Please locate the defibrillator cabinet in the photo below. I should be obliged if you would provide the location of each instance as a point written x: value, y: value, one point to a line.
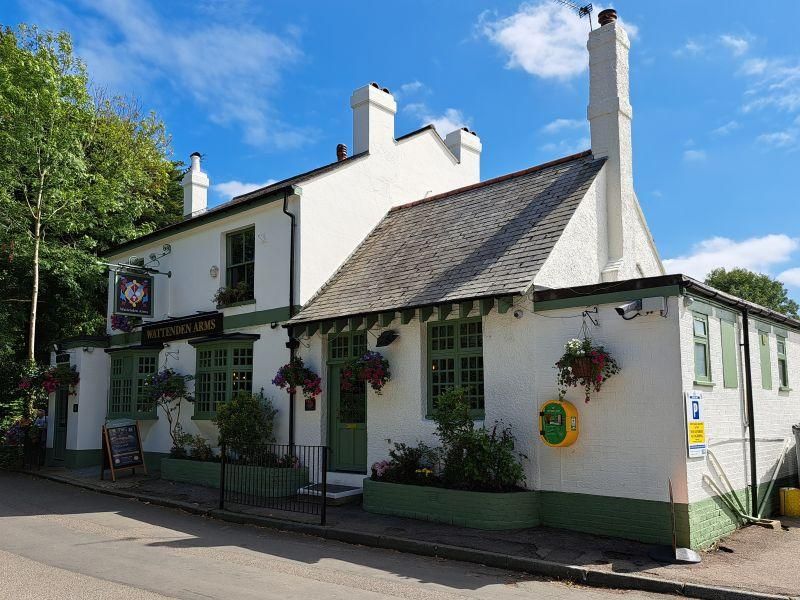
x: 558, y: 423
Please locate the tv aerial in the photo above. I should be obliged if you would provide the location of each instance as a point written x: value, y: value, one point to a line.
x: 582, y: 11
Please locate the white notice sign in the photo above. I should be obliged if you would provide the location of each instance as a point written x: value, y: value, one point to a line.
x: 695, y: 425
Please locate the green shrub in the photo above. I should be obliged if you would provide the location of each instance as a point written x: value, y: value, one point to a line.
x: 245, y: 422
x: 199, y: 449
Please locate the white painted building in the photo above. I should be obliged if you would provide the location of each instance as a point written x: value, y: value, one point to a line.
x: 483, y: 283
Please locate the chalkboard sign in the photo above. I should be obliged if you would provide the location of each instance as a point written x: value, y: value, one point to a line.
x: 122, y: 447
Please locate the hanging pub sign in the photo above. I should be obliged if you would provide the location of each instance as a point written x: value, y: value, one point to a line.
x: 186, y: 327
x: 134, y: 295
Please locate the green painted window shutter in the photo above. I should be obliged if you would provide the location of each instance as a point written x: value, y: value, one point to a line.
x: 766, y: 364
x: 730, y: 375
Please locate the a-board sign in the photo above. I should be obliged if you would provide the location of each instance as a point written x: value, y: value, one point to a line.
x: 122, y: 447
x: 696, y: 443
x: 185, y: 327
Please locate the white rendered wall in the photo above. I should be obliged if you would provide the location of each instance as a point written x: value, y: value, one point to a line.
x: 725, y: 411
x: 581, y: 253
x: 341, y: 207
x: 632, y: 432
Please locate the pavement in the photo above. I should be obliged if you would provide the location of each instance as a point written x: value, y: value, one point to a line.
x: 753, y: 562
x: 61, y: 542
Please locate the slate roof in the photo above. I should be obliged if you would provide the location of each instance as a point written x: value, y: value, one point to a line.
x: 487, y: 239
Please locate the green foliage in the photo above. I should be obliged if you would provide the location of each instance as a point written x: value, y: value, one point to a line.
x: 755, y: 287
x: 225, y: 296
x: 199, y: 448
x: 166, y: 391
x: 245, y: 422
x: 477, y: 459
x: 79, y: 172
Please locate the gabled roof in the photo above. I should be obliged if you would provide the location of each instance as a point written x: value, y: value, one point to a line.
x: 486, y: 239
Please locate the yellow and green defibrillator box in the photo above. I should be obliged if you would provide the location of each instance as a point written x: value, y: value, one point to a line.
x: 558, y: 423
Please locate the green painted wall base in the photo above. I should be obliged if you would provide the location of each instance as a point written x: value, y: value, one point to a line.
x: 79, y: 459
x: 480, y: 510
x: 257, y: 481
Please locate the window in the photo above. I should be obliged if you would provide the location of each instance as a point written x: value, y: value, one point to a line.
x: 222, y: 371
x: 783, y: 365
x: 730, y: 354
x: 129, y: 372
x: 240, y: 259
x: 702, y: 357
x: 455, y: 358
x: 346, y: 346
x: 766, y: 364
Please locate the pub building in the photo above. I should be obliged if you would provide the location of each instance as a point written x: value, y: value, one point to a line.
x: 400, y: 248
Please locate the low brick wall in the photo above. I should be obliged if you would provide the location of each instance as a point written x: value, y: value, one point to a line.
x: 480, y: 510
x: 256, y: 481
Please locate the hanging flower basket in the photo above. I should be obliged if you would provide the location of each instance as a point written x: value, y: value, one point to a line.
x: 51, y: 379
x: 371, y: 368
x: 295, y: 375
x: 124, y: 323
x: 584, y: 365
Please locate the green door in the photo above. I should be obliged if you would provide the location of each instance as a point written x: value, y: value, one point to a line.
x: 60, y: 422
x: 347, y: 409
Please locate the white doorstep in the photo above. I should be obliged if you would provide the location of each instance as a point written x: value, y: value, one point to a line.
x: 349, y: 479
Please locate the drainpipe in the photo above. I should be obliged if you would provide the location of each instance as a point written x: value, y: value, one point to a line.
x: 751, y: 418
x: 291, y: 343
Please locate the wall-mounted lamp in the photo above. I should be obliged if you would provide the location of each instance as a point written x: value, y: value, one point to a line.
x: 214, y: 271
x: 386, y: 338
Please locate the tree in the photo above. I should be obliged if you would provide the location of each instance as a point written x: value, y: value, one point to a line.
x: 755, y: 287
x: 79, y: 172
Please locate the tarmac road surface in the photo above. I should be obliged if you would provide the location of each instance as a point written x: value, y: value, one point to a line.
x: 60, y: 542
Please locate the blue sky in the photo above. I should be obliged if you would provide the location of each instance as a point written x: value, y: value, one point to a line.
x: 262, y: 90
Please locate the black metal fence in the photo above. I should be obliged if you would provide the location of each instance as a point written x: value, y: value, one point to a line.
x: 280, y: 477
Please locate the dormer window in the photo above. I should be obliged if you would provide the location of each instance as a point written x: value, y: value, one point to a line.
x: 240, y: 264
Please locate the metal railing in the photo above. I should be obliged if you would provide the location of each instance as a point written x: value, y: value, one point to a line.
x: 280, y: 477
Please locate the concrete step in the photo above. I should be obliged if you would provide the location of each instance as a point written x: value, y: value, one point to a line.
x: 348, y: 479
x: 336, y: 494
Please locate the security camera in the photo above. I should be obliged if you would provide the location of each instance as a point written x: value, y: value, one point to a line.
x: 629, y: 308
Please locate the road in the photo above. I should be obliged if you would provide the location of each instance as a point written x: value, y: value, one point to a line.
x: 59, y: 542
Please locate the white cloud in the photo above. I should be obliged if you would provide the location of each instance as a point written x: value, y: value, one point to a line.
x: 757, y: 254
x: 778, y: 139
x: 690, y: 48
x: 409, y: 89
x: 694, y: 155
x: 737, y: 45
x: 545, y: 39
x: 727, y: 128
x: 564, y: 124
x: 231, y: 189
x: 445, y: 122
x: 791, y: 277
x: 565, y: 147
x: 228, y: 69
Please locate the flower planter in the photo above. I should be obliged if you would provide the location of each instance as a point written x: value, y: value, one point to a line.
x: 479, y: 510
x: 270, y: 482
x: 582, y: 367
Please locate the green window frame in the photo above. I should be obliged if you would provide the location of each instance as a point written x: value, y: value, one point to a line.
x: 126, y: 390
x: 455, y: 359
x: 730, y: 354
x: 766, y: 361
x: 221, y: 371
x: 702, y: 349
x: 240, y: 259
x: 783, y: 364
x: 345, y: 346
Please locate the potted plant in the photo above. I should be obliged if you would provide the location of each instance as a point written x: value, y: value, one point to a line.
x: 124, y: 323
x: 295, y: 374
x: 584, y: 365
x: 228, y: 295
x: 371, y: 368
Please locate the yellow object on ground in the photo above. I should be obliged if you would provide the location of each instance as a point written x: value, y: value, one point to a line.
x: 790, y: 502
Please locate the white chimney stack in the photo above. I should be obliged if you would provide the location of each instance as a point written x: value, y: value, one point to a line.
x: 610, y: 116
x: 466, y: 147
x: 195, y: 188
x: 373, y: 118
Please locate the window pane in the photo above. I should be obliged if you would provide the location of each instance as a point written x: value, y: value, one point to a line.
x: 218, y: 389
x: 700, y: 365
x: 443, y: 376
x: 443, y: 337
x: 359, y: 344
x: 783, y: 372
x: 147, y: 365
x: 242, y: 357
x: 700, y: 328
x: 472, y: 380
x: 235, y: 249
x: 470, y: 335
x: 338, y: 348
x: 120, y: 396
x: 781, y: 347
x: 202, y: 393
x: 241, y: 381
x: 249, y: 245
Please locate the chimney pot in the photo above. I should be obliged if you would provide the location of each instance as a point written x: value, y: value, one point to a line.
x: 195, y: 187
x: 607, y: 16
x: 341, y: 152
